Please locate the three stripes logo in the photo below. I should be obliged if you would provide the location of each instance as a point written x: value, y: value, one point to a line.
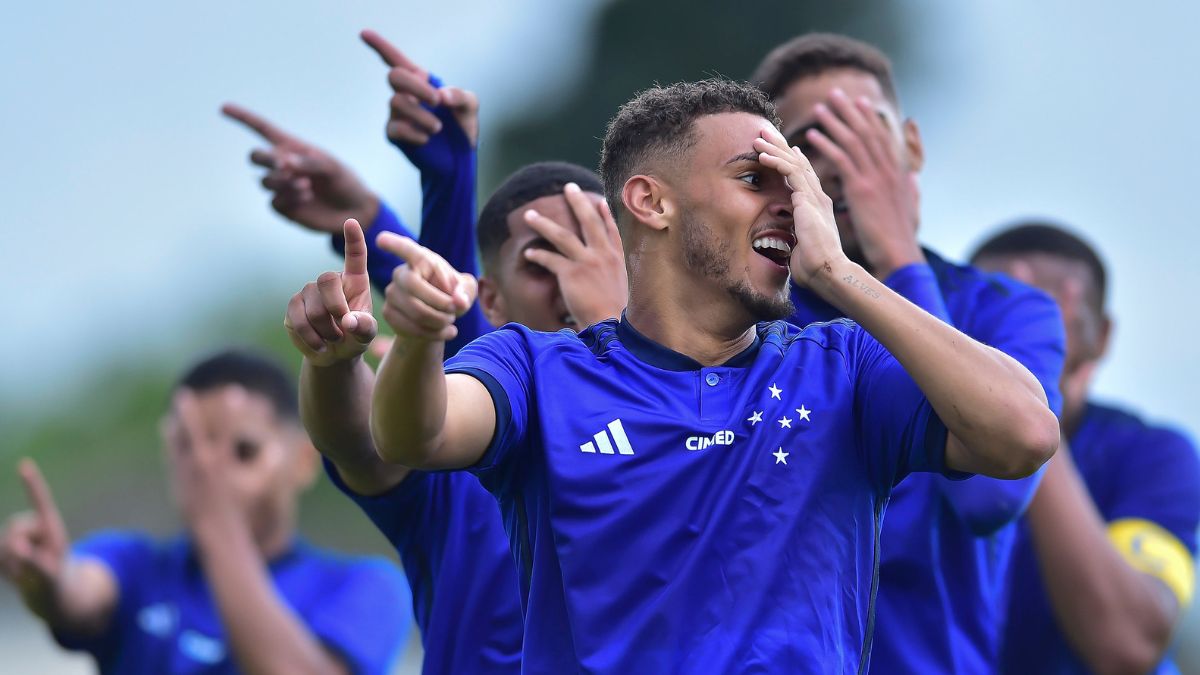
x: 605, y: 446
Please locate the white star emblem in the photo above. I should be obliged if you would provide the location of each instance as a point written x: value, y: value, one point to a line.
x: 755, y: 418
x: 803, y: 412
x: 775, y: 391
x: 780, y: 456
x: 785, y: 422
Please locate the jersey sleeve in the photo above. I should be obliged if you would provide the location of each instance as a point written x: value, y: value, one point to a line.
x: 125, y: 555
x: 918, y: 283
x: 364, y: 618
x: 502, y: 362
x: 897, y: 428
x: 1154, y: 518
x: 1031, y: 331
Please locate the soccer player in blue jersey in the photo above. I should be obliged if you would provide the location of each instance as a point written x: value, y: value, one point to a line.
x: 445, y: 526
x: 1105, y: 560
x: 945, y: 544
x: 239, y: 591
x: 686, y: 489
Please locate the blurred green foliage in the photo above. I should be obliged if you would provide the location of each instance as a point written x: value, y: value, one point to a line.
x: 637, y: 43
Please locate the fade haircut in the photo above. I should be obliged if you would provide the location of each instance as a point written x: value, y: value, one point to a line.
x: 1037, y: 236
x: 660, y: 122
x: 255, y: 373
x: 528, y: 183
x: 817, y: 53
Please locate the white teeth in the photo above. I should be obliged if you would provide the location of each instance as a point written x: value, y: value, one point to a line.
x: 570, y: 320
x: 772, y: 242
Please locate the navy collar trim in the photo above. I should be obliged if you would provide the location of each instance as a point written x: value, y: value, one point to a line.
x: 652, y: 353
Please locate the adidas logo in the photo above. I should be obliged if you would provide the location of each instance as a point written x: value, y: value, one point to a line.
x: 605, y: 446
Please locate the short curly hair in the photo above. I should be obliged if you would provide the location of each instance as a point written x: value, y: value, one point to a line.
x: 660, y: 122
x: 812, y: 54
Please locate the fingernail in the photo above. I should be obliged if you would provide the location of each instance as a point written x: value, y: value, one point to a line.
x: 820, y: 107
x: 530, y: 214
x: 437, y: 128
x: 571, y: 187
x: 837, y: 91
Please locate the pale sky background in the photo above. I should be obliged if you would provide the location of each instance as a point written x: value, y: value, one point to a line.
x: 129, y: 204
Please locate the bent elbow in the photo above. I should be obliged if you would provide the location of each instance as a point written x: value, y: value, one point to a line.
x: 1039, y: 439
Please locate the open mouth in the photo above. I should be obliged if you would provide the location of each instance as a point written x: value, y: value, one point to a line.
x: 774, y: 247
x: 840, y: 207
x: 569, y: 321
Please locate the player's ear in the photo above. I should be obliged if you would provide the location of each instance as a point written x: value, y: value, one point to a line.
x: 1106, y: 329
x: 492, y: 302
x: 647, y: 201
x: 306, y: 463
x: 914, y: 150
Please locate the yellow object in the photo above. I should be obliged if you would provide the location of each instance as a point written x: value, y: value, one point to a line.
x: 1157, y: 552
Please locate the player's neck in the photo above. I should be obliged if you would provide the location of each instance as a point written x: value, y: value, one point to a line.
x: 704, y: 334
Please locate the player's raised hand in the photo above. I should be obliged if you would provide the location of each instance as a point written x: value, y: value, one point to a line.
x: 309, y: 186
x: 33, y: 547
x: 330, y: 319
x: 426, y: 294
x: 880, y: 191
x: 590, y: 269
x: 410, y: 120
x: 817, y: 242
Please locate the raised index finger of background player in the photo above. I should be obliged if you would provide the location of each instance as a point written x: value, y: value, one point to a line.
x: 259, y: 125
x: 415, y: 78
x: 41, y: 499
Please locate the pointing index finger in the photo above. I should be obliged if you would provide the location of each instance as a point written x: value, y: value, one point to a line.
x: 392, y: 56
x: 39, y: 493
x: 256, y: 123
x: 356, y: 248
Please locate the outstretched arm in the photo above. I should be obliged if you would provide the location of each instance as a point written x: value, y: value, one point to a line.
x: 436, y: 127
x: 73, y: 596
x: 421, y: 417
x: 994, y: 408
x: 329, y: 321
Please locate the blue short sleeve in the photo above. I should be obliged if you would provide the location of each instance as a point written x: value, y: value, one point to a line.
x: 501, y: 361
x: 897, y: 428
x: 1030, y: 329
x: 126, y: 555
x: 364, y: 618
x: 919, y: 284
x: 1160, y: 482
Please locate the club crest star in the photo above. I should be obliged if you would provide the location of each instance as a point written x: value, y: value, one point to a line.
x: 775, y: 391
x: 785, y: 422
x: 803, y: 412
x: 780, y: 456
x: 755, y: 418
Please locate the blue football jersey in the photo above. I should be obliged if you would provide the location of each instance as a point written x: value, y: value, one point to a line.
x: 946, y: 544
x: 668, y: 517
x: 166, y: 621
x: 447, y: 530
x: 1145, y: 481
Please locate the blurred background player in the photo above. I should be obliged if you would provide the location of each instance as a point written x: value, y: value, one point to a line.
x: 1104, y: 564
x: 239, y: 590
x: 945, y: 543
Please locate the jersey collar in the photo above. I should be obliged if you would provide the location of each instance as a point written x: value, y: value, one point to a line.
x: 654, y: 354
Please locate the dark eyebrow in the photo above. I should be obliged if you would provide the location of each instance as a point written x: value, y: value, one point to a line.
x: 744, y: 157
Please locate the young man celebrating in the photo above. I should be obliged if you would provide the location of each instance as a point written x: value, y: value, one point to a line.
x: 684, y: 489
x: 239, y: 592
x: 1104, y: 564
x: 445, y: 526
x: 945, y: 544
